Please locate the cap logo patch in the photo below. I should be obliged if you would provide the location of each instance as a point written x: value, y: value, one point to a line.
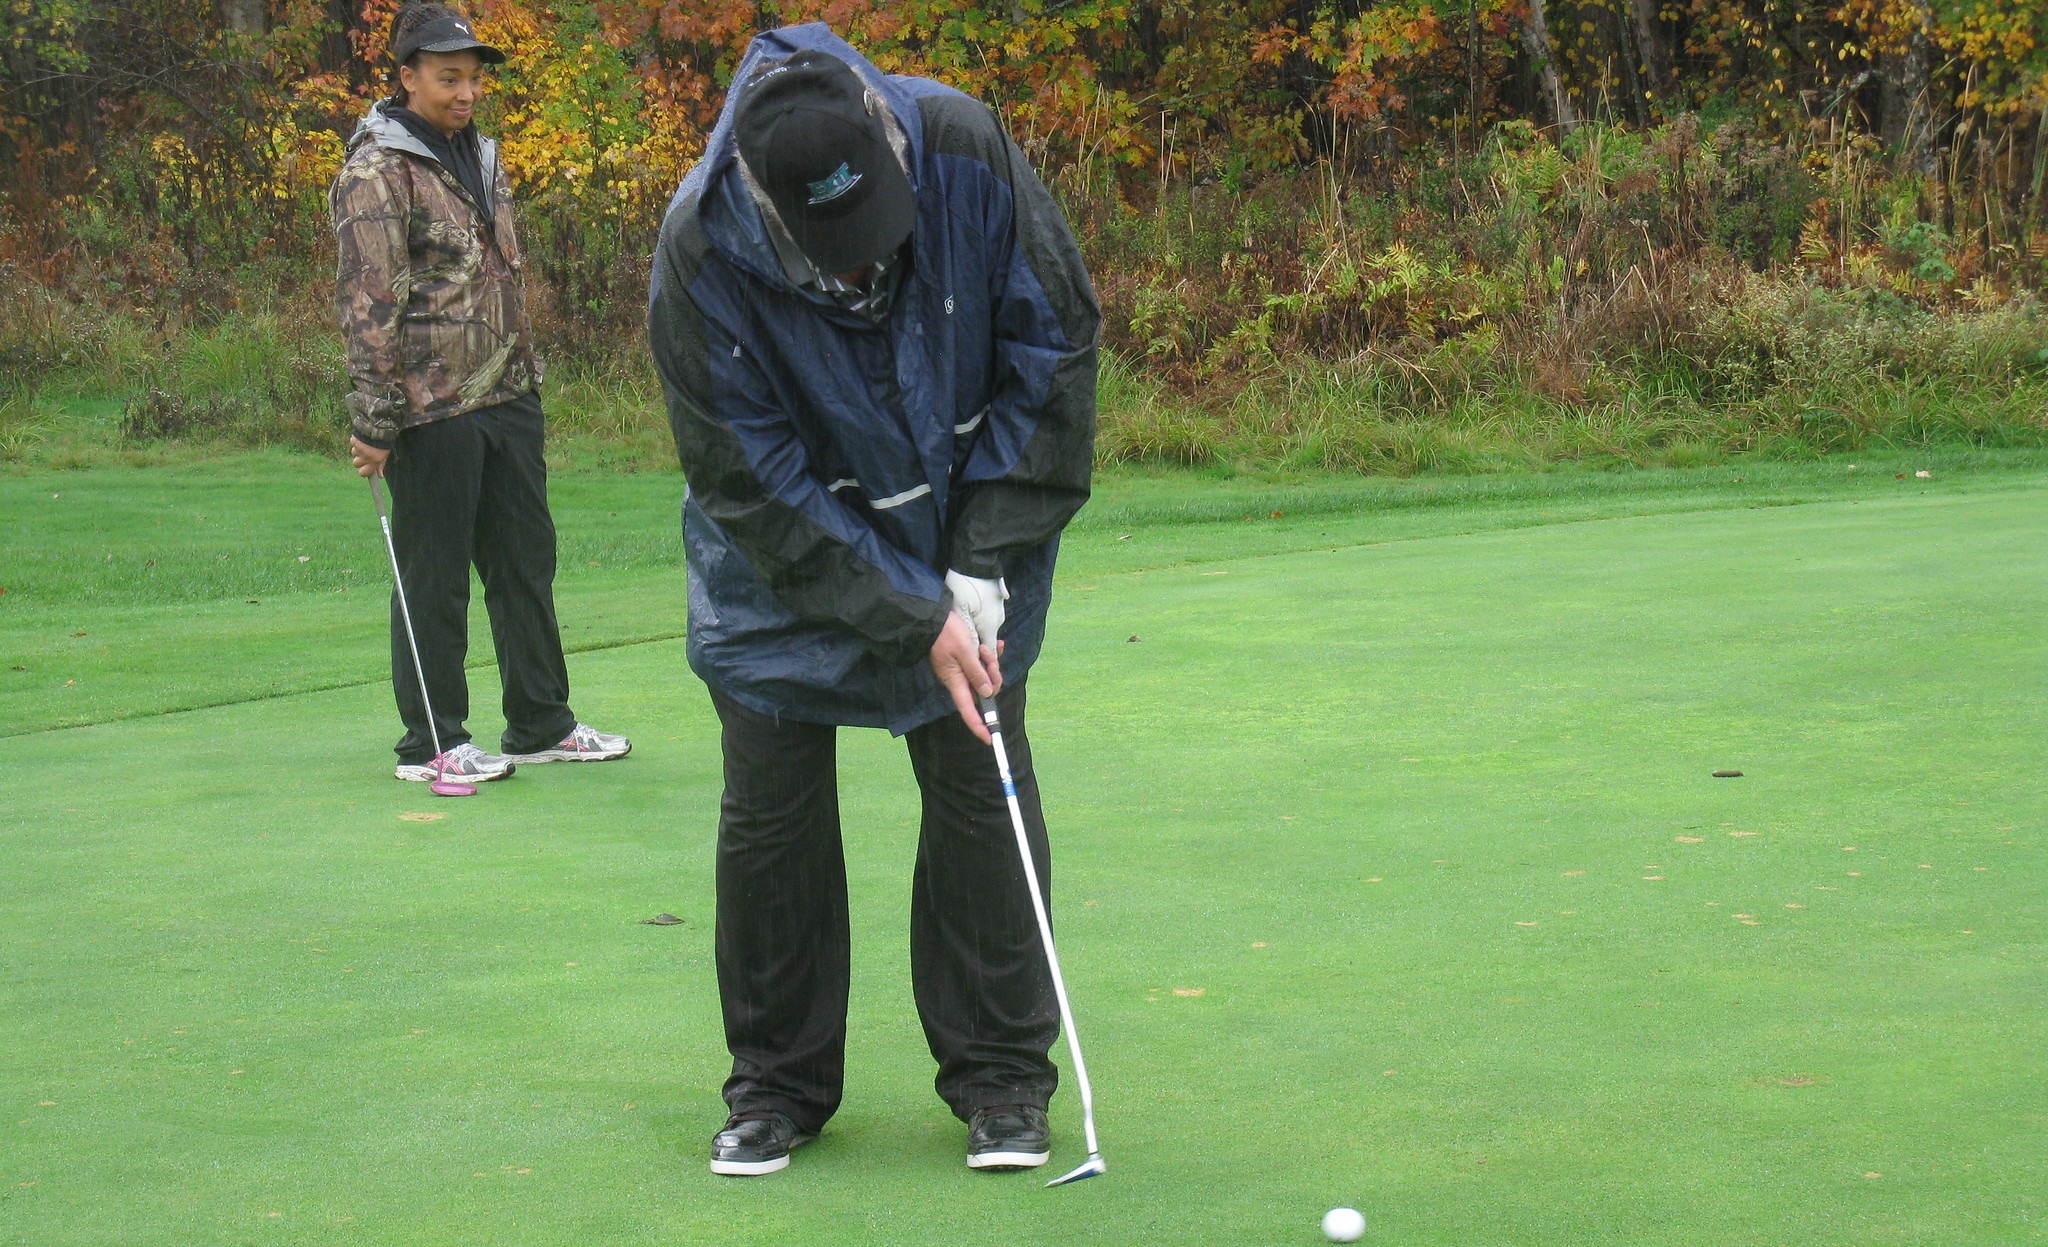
x: 843, y: 179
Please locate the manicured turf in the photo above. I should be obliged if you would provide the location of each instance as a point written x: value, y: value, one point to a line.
x: 1390, y: 872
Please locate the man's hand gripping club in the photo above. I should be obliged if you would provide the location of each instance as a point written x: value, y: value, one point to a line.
x: 967, y: 669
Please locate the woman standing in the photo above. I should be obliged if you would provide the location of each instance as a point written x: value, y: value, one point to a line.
x: 446, y: 406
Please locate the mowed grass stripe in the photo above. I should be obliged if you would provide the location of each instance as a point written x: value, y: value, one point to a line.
x: 146, y: 592
x: 1300, y: 826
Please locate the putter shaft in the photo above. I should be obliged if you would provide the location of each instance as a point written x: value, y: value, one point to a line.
x: 1052, y: 957
x: 412, y: 641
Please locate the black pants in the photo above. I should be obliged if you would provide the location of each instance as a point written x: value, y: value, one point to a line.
x: 978, y: 971
x: 474, y: 489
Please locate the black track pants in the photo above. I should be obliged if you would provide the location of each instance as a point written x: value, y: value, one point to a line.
x: 978, y: 970
x: 474, y: 489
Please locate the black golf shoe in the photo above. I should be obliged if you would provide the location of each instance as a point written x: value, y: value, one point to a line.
x: 754, y: 1142
x: 1008, y: 1136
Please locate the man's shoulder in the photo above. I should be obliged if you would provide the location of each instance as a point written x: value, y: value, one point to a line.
x: 956, y: 124
x: 683, y: 243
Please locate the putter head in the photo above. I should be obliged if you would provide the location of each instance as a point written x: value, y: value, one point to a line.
x: 446, y: 787
x: 1090, y: 1168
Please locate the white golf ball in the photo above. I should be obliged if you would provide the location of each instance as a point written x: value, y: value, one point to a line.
x: 1344, y: 1225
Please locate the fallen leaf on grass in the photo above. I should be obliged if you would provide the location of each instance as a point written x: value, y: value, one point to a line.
x: 1569, y: 873
x: 1258, y: 943
x: 1525, y: 924
x: 1376, y: 879
x: 1189, y: 991
x: 1651, y: 878
x: 1740, y: 834
x: 422, y: 816
x: 1795, y: 906
x: 1690, y: 839
x: 661, y: 920
x: 1751, y: 922
x: 1856, y: 874
x: 1727, y: 774
x: 1873, y: 1175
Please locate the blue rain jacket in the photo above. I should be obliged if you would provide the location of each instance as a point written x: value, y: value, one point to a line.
x: 837, y: 467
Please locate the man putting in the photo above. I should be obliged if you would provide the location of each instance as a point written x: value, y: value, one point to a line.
x: 878, y: 341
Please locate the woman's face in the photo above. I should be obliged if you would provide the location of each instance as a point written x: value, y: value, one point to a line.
x: 443, y: 87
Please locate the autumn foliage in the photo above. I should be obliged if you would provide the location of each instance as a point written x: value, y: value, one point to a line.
x: 1412, y: 167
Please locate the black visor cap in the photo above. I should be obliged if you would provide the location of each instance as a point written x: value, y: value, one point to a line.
x: 825, y: 162
x: 445, y: 34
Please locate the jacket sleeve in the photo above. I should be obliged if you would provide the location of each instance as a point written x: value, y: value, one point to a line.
x: 373, y: 279
x: 751, y: 474
x: 1028, y: 471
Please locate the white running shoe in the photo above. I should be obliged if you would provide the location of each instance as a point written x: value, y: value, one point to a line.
x: 585, y: 744
x: 465, y: 762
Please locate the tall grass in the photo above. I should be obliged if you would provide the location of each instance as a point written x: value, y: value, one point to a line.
x: 1673, y: 297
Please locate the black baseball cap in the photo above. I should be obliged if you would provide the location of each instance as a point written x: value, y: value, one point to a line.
x: 806, y: 132
x: 445, y: 34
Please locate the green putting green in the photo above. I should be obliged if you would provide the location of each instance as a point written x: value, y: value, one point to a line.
x: 1390, y: 871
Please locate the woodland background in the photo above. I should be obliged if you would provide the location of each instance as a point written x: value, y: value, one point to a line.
x: 1419, y: 235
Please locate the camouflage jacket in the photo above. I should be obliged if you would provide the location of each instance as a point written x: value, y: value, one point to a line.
x: 429, y: 293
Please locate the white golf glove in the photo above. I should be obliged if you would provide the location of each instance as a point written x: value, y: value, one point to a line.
x: 980, y: 603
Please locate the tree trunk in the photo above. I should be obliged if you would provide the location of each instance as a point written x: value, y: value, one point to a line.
x: 1536, y: 39
x: 1656, y: 51
x: 1905, y: 120
x: 244, y: 17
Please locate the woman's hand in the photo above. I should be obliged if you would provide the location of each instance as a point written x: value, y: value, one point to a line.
x: 369, y: 460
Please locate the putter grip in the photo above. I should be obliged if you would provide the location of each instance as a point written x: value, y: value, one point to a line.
x: 987, y: 706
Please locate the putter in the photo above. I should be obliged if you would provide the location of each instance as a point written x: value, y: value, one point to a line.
x: 442, y: 785
x: 1092, y: 1167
